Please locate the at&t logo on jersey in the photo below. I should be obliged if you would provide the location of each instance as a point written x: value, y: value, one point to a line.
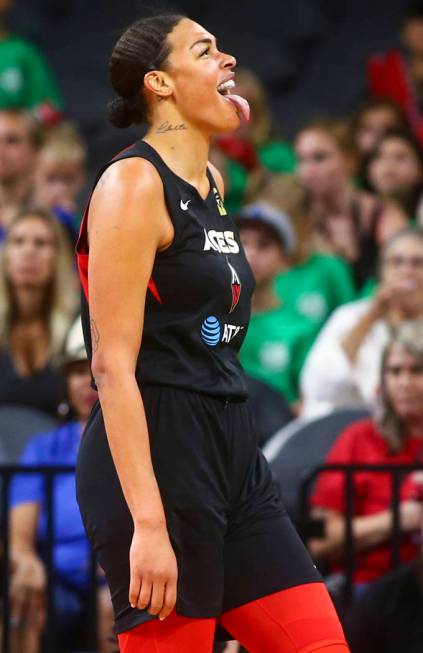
x: 211, y: 331
x: 220, y: 241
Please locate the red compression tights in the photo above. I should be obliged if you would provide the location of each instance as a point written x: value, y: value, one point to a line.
x: 301, y: 619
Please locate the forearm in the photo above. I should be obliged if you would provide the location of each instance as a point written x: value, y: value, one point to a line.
x: 127, y: 434
x: 352, y: 341
x: 368, y: 531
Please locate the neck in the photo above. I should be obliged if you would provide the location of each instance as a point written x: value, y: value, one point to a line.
x: 13, y: 194
x: 183, y: 147
x: 338, y: 200
x: 30, y: 304
x: 415, y: 427
x: 264, y: 299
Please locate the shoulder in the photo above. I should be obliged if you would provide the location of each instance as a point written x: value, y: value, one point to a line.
x: 131, y: 175
x: 218, y: 179
x: 39, y: 447
x: 361, y: 433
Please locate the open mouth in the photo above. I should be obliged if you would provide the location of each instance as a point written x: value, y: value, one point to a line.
x: 225, y: 87
x: 241, y: 105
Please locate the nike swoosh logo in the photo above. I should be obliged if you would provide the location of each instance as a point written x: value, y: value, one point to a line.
x: 184, y: 205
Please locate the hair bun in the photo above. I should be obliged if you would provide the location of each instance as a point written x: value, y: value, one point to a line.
x: 123, y: 112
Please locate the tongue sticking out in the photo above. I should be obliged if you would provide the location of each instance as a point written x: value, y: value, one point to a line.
x: 240, y: 104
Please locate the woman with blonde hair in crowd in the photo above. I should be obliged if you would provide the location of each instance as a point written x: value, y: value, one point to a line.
x: 39, y: 299
x: 395, y: 437
x: 347, y: 221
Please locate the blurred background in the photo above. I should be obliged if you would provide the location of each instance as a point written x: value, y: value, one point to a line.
x: 325, y: 184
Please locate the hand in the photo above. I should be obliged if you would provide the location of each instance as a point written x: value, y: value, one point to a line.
x: 411, y: 515
x: 154, y: 571
x: 27, y: 590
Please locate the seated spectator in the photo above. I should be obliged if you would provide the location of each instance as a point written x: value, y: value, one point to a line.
x: 246, y: 155
x: 28, y: 523
x: 387, y: 619
x: 342, y: 368
x: 394, y: 171
x: 60, y: 174
x: 278, y: 339
x: 372, y: 120
x: 26, y: 81
x: 20, y: 139
x: 347, y: 222
x: 313, y: 284
x: 394, y: 438
x: 398, y: 74
x: 39, y: 299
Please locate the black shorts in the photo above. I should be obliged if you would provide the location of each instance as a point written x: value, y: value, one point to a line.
x: 233, y: 540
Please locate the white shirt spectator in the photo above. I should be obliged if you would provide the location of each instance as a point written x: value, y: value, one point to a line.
x: 329, y: 380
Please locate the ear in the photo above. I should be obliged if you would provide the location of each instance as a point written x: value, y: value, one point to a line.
x: 158, y: 83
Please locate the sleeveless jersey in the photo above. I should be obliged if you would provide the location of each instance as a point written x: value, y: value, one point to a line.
x: 198, y: 300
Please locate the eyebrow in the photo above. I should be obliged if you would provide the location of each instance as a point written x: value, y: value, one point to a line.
x: 204, y: 40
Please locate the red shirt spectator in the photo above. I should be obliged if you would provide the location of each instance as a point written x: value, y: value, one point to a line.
x: 362, y: 443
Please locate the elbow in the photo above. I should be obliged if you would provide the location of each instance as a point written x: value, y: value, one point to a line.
x: 109, y: 370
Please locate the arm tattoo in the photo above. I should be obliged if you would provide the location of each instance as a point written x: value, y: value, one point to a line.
x: 167, y: 127
x: 95, y: 336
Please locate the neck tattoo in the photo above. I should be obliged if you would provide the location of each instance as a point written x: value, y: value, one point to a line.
x: 167, y: 127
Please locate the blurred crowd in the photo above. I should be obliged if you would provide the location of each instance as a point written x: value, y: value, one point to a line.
x: 332, y: 225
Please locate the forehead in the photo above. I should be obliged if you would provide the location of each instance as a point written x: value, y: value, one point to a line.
x: 29, y: 226
x: 396, y: 144
x: 405, y: 244
x: 315, y: 138
x: 398, y: 355
x: 12, y: 122
x: 186, y: 33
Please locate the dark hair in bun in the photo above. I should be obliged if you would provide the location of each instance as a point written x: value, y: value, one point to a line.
x: 142, y: 47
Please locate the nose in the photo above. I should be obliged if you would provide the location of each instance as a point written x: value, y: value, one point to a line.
x: 228, y: 61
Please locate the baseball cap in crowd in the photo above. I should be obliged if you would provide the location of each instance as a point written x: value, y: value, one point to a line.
x: 277, y: 220
x: 74, y: 348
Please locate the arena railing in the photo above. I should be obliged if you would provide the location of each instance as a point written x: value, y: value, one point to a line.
x: 7, y: 472
x: 310, y: 527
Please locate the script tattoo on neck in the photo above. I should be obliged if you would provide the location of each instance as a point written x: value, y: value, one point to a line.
x: 95, y: 335
x: 167, y: 127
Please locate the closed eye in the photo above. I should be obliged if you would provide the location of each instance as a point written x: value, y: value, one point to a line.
x: 206, y: 51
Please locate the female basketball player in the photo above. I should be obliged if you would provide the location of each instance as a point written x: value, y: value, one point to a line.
x: 176, y: 498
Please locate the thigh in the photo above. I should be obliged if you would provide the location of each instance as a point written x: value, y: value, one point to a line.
x: 301, y: 619
x: 173, y: 635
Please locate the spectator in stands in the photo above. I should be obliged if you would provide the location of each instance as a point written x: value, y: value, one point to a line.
x: 39, y: 299
x: 372, y: 120
x: 398, y: 74
x: 60, y: 174
x: 342, y: 369
x: 20, y: 139
x: 314, y: 284
x: 394, y: 171
x: 278, y: 339
x: 25, y: 79
x: 246, y: 156
x: 387, y: 619
x: 28, y: 524
x: 347, y: 221
x: 395, y: 437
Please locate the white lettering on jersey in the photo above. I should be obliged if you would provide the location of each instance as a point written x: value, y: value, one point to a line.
x: 230, y: 331
x: 220, y: 241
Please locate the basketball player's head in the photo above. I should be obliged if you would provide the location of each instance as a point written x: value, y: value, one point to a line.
x: 168, y: 68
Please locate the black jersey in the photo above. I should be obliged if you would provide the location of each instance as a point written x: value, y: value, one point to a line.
x: 198, y: 301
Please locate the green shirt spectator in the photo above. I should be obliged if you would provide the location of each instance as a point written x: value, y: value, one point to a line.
x: 315, y: 287
x: 275, y: 348
x: 25, y: 78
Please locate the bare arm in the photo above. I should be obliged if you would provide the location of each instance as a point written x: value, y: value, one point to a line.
x: 128, y: 223
x: 368, y: 531
x: 23, y: 528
